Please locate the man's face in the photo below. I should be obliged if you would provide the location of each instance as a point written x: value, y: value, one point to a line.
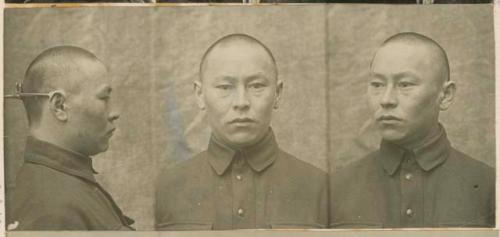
x: 90, y: 115
x: 404, y: 92
x: 239, y: 90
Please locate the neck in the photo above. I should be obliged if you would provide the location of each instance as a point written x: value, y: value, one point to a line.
x: 53, y: 136
x: 421, y: 141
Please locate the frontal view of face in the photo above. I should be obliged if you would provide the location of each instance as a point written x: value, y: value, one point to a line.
x: 405, y: 91
x: 239, y: 90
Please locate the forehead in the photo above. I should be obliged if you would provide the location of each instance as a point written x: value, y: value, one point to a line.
x: 396, y: 58
x: 93, y: 70
x: 238, y: 59
x: 93, y: 75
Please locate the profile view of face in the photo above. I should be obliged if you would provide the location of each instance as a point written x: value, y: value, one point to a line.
x: 90, y: 114
x: 404, y: 91
x: 239, y: 89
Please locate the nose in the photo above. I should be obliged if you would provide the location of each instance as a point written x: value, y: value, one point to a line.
x: 241, y: 102
x: 389, y: 97
x: 113, y: 116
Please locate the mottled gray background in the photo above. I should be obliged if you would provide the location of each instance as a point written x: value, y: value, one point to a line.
x: 464, y: 31
x: 153, y: 56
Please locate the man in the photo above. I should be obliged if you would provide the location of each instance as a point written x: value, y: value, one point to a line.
x: 66, y: 94
x: 243, y: 180
x: 416, y: 178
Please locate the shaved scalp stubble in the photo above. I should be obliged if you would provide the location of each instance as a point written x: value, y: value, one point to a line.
x: 411, y: 38
x: 60, y: 67
x: 234, y: 39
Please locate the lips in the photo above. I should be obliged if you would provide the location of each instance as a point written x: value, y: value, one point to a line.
x: 388, y: 119
x: 242, y: 121
x: 110, y: 132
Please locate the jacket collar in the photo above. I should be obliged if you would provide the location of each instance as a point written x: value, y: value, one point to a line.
x: 259, y: 156
x: 52, y: 156
x: 428, y: 156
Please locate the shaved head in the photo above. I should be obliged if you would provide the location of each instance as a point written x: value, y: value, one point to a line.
x: 409, y: 85
x: 233, y: 44
x: 436, y: 56
x: 238, y: 81
x: 57, y: 68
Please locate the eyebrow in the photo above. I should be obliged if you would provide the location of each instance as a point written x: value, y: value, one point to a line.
x: 258, y: 75
x: 405, y: 74
x: 225, y: 78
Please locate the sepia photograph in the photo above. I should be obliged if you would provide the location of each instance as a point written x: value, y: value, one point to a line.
x: 288, y: 117
x: 416, y: 100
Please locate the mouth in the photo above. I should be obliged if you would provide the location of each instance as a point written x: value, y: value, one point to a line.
x: 242, y: 121
x: 110, y: 132
x: 389, y: 119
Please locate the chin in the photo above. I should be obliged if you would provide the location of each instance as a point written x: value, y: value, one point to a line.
x: 101, y: 149
x: 242, y: 140
x: 393, y: 136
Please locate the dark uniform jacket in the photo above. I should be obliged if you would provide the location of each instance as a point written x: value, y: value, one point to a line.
x: 56, y: 190
x: 434, y: 186
x: 258, y: 187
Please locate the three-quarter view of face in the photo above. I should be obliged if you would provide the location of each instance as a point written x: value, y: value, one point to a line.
x: 408, y: 86
x: 238, y: 89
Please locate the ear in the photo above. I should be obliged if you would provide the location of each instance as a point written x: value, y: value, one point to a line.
x: 198, y: 90
x: 279, y: 90
x: 447, y: 95
x: 58, y: 107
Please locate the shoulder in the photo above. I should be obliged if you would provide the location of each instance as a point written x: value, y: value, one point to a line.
x: 40, y: 182
x: 356, y: 174
x: 295, y: 165
x: 461, y: 164
x: 366, y: 165
x: 189, y: 167
x: 188, y: 174
x: 37, y: 201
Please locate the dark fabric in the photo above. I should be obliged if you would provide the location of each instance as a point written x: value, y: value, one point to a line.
x: 56, y: 190
x: 76, y: 1
x: 433, y: 186
x: 258, y: 187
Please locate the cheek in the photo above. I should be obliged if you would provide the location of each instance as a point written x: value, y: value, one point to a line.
x: 373, y: 104
x: 420, y: 107
x: 217, y: 107
x: 263, y: 105
x: 94, y: 117
x: 373, y: 101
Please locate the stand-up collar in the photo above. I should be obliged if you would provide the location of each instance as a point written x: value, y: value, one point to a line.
x: 47, y: 154
x: 428, y: 156
x: 259, y: 156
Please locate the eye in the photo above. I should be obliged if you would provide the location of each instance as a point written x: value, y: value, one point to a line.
x: 376, y: 84
x: 404, y: 84
x: 257, y: 85
x: 223, y: 86
x: 104, y: 97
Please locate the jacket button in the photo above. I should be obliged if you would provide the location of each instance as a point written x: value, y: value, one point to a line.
x: 408, y: 176
x: 240, y: 212
x: 409, y: 212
